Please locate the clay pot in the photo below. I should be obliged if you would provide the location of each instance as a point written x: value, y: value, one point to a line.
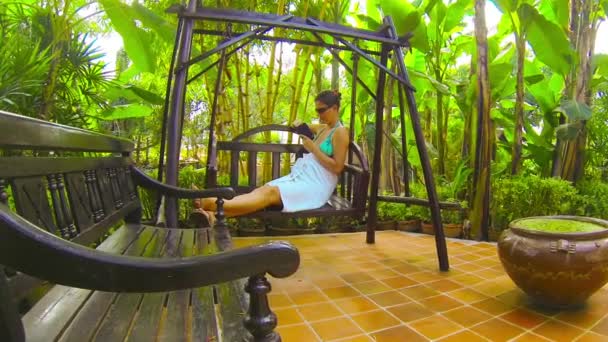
x: 409, y: 226
x: 450, y: 230
x: 386, y: 225
x: 556, y: 269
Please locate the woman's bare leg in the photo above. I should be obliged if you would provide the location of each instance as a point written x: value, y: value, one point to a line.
x: 258, y: 199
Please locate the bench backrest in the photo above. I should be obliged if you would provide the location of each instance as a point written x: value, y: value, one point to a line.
x: 351, y: 186
x: 71, y: 182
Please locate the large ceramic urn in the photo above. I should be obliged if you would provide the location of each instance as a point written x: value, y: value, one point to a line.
x: 559, y: 261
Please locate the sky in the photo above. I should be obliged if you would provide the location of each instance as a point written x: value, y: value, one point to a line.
x: 110, y: 44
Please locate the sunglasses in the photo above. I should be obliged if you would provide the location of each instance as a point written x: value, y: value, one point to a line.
x: 322, y: 109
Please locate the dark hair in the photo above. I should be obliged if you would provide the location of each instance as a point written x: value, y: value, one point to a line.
x: 329, y: 97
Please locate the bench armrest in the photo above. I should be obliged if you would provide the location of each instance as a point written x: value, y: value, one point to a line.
x: 148, y: 182
x: 353, y: 169
x: 38, y: 253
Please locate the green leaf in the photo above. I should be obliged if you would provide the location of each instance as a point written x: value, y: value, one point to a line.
x: 455, y: 15
x: 506, y: 6
x: 136, y: 42
x: 568, y: 131
x: 556, y: 12
x: 440, y: 87
x: 404, y: 14
x: 126, y: 112
x: 133, y: 93
x: 600, y: 64
x: 146, y: 95
x: 548, y: 40
x: 151, y: 20
x: 575, y: 110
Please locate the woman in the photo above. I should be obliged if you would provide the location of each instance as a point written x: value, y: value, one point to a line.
x: 313, y: 177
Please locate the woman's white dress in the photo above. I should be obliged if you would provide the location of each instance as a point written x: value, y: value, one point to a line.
x: 308, y: 186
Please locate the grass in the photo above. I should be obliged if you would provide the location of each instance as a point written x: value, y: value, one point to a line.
x: 559, y: 225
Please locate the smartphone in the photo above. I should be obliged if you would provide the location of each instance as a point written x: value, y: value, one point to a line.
x: 304, y: 130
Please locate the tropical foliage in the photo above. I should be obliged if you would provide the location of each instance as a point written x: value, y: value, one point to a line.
x: 524, y: 95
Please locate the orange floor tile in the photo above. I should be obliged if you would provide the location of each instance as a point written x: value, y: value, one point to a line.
x: 347, y: 290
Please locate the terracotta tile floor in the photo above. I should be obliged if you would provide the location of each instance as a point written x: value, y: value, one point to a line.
x: 346, y: 290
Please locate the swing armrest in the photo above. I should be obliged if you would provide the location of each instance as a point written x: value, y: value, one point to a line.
x: 148, y: 182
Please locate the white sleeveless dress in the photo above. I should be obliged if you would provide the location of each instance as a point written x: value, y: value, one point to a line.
x: 308, y: 186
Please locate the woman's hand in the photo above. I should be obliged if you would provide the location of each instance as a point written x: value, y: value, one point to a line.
x: 308, y: 144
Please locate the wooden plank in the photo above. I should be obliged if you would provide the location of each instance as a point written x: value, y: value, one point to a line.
x: 105, y: 190
x: 261, y: 147
x: 97, y: 230
x: 32, y: 202
x: 80, y: 200
x: 121, y: 314
x: 57, y: 308
x: 252, y: 168
x: 276, y: 165
x: 88, y: 320
x: 17, y: 167
x: 234, y: 168
x: 174, y: 325
x: 204, y: 323
x: 145, y: 326
x: 21, y: 132
x: 232, y: 304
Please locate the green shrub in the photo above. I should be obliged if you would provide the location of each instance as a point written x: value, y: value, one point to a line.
x: 388, y: 211
x: 594, y: 198
x: 524, y: 196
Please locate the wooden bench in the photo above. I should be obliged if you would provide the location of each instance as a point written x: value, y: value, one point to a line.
x: 63, y: 189
x: 349, y: 199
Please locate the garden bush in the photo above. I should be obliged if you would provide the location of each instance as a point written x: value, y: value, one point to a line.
x: 523, y: 196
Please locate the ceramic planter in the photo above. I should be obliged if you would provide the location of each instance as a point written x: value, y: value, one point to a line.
x: 386, y: 225
x: 409, y: 225
x: 556, y: 269
x: 450, y: 230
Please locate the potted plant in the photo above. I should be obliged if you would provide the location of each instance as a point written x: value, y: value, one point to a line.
x: 407, y: 220
x: 559, y: 261
x: 386, y: 213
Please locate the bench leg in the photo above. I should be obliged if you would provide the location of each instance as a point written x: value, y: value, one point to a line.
x: 260, y: 321
x: 11, y: 328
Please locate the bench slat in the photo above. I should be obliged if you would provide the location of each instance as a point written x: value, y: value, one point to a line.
x: 276, y: 165
x: 32, y: 202
x: 50, y: 315
x: 116, y: 322
x: 252, y: 168
x: 232, y: 303
x: 173, y: 327
x: 79, y: 200
x: 17, y: 131
x: 259, y: 147
x: 204, y: 323
x: 17, y: 167
x: 99, y: 305
x: 149, y: 315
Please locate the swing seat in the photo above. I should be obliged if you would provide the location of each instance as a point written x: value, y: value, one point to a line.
x: 349, y: 198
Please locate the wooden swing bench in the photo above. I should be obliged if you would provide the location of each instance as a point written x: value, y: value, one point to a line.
x: 348, y: 200
x: 141, y: 283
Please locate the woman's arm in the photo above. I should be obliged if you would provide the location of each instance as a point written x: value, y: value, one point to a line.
x: 340, y: 145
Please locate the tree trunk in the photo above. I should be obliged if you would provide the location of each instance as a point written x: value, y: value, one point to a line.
x: 520, y: 43
x: 439, y: 134
x: 480, y: 213
x: 570, y: 154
